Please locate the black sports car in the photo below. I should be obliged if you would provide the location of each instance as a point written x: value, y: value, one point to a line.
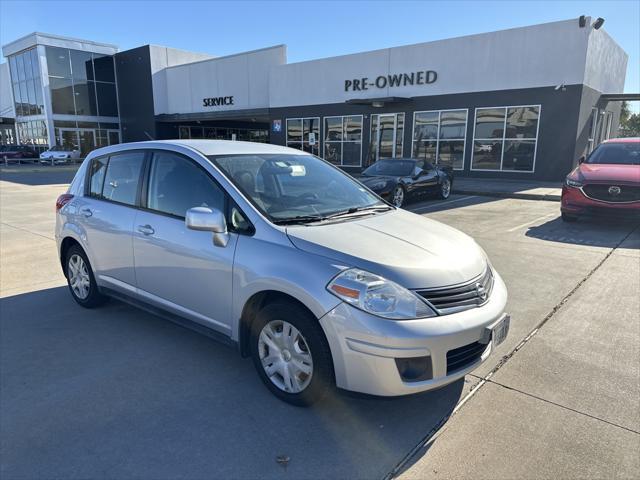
x: 399, y: 179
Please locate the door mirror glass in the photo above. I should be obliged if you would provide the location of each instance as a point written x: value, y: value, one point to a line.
x: 417, y: 172
x: 581, y: 159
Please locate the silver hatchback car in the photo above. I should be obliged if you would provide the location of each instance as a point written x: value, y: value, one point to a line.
x: 287, y: 257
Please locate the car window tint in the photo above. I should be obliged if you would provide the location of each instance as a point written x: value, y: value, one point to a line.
x: 96, y: 176
x: 177, y: 184
x: 122, y: 177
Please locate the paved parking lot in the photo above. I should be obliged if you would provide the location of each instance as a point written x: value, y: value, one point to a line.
x: 117, y: 392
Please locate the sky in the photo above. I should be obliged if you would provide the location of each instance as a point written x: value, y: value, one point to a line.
x: 309, y: 29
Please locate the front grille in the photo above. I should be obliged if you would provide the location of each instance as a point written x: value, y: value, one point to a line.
x: 608, y: 192
x: 460, y: 297
x: 461, y: 357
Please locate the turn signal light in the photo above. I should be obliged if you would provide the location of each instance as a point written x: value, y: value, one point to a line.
x: 63, y: 200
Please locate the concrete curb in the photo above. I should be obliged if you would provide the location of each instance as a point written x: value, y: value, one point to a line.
x: 518, y: 195
x: 38, y: 168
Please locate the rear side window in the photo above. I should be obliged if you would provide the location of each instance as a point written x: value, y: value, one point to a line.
x: 177, y: 184
x: 117, y: 178
x: 96, y: 176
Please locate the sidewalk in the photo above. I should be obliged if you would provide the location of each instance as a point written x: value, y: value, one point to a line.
x: 523, y: 189
x: 565, y: 405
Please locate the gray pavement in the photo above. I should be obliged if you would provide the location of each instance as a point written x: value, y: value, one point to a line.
x: 522, y: 189
x: 117, y: 392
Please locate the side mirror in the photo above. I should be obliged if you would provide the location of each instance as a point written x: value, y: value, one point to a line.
x: 581, y: 159
x: 208, y: 220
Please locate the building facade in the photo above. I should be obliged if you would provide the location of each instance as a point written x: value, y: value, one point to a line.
x: 518, y: 103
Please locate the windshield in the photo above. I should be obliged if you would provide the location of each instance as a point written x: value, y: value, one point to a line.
x: 394, y: 168
x: 289, y: 187
x: 616, y: 153
x: 59, y: 148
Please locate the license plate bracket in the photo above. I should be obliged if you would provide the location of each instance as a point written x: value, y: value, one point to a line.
x: 500, y: 330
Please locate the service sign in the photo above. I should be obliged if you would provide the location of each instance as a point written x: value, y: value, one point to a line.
x: 217, y: 101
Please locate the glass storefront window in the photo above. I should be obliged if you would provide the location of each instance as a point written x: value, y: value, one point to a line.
x: 304, y: 134
x: 387, y: 136
x: 104, y: 68
x: 107, y: 100
x: 81, y: 65
x: 506, y: 138
x: 343, y: 140
x: 439, y: 136
x: 24, y: 70
x: 58, y: 62
x: 62, y: 96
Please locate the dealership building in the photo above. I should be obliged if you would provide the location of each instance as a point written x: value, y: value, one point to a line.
x: 518, y: 103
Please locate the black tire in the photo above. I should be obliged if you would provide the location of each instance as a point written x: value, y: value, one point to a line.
x: 322, y: 378
x: 444, y: 191
x: 94, y: 298
x: 568, y: 218
x: 401, y: 191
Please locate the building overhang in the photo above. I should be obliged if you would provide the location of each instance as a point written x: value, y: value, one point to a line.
x: 621, y: 97
x: 38, y: 38
x: 377, y: 102
x: 247, y: 115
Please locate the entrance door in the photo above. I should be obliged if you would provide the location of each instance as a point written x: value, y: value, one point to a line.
x: 83, y: 139
x: 387, y: 132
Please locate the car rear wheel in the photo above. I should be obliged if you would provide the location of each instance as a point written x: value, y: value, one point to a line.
x: 397, y: 197
x: 568, y: 218
x: 80, y: 278
x: 291, y: 354
x: 445, y: 188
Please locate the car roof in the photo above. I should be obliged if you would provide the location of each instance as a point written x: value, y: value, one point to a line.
x: 227, y: 147
x: 623, y: 140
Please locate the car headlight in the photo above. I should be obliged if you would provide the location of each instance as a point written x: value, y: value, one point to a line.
x: 573, y: 183
x: 378, y: 185
x: 378, y: 296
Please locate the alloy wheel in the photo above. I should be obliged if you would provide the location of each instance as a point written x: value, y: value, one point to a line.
x: 285, y: 356
x: 445, y: 188
x: 398, y: 196
x: 79, y: 279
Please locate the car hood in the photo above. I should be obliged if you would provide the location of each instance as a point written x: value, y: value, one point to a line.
x: 377, y: 182
x: 409, y: 249
x: 609, y: 173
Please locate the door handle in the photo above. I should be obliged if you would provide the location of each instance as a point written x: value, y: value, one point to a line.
x: 86, y: 212
x: 146, y: 229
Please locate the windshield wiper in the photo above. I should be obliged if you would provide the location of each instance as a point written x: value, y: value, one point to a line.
x: 351, y: 211
x: 299, y: 219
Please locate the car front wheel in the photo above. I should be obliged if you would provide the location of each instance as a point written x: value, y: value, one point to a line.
x: 445, y: 188
x: 397, y: 197
x: 291, y: 354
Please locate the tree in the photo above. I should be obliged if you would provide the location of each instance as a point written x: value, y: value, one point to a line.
x: 629, y: 122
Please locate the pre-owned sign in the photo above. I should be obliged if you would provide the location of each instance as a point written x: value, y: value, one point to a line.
x: 423, y: 77
x: 217, y: 101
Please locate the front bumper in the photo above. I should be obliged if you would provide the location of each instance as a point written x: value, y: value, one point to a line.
x: 365, y: 348
x: 575, y: 202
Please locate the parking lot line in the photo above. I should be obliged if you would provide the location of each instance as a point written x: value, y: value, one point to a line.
x: 417, y: 210
x: 532, y: 221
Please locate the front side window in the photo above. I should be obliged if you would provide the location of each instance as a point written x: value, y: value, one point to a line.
x: 505, y: 138
x: 176, y: 184
x: 122, y: 177
x: 289, y: 187
x: 394, y: 168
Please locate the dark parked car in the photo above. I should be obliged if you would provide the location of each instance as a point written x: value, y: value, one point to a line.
x: 399, y: 179
x: 17, y: 152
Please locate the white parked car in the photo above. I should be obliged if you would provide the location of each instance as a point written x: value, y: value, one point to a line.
x: 59, y: 154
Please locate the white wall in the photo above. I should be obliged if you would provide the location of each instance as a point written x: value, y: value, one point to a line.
x: 606, y: 64
x: 536, y: 56
x: 6, y: 100
x: 245, y: 76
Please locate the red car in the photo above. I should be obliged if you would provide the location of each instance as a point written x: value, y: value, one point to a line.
x: 607, y: 182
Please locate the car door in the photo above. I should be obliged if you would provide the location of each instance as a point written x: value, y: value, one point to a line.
x: 426, y: 180
x: 179, y: 269
x: 106, y: 214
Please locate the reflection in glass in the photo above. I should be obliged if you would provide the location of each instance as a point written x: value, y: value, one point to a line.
x: 311, y: 125
x: 103, y: 65
x: 351, y: 153
x: 294, y: 130
x: 81, y: 65
x: 522, y: 122
x: 425, y: 150
x: 85, y: 97
x: 61, y: 96
x: 353, y: 128
x: 107, y: 100
x: 518, y: 155
x: 333, y: 128
x: 58, y: 62
x: 333, y: 152
x: 451, y: 153
x: 426, y: 126
x: 489, y: 123
x: 453, y: 124
x: 20, y: 67
x: 486, y: 155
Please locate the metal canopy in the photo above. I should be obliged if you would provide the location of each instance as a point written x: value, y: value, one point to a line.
x: 618, y: 97
x: 371, y: 101
x: 248, y: 115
